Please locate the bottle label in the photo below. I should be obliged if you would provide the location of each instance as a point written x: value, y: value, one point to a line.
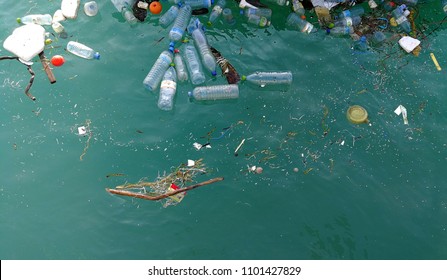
x: 401, y: 19
x: 168, y: 84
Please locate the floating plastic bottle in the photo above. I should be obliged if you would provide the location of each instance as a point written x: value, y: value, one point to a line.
x: 269, y: 78
x: 82, y: 50
x: 217, y: 10
x: 341, y: 30
x: 228, y: 16
x: 294, y: 21
x: 180, y: 23
x: 167, y: 18
x: 262, y: 12
x: 201, y: 43
x: 153, y: 78
x: 258, y: 20
x: 180, y: 67
x: 348, y: 21
x: 401, y: 18
x: 217, y: 92
x: 193, y: 64
x: 45, y: 19
x: 298, y: 7
x: 168, y: 88
x: 198, y: 3
x: 353, y: 12
x: 91, y: 8
x: 361, y: 44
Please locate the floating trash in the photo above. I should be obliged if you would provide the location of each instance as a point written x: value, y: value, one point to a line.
x: 357, y: 114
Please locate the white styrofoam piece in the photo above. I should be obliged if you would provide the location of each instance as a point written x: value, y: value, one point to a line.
x: 408, y: 43
x: 70, y: 8
x: 26, y: 41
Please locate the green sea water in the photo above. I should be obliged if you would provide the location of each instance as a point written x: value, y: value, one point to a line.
x: 329, y: 189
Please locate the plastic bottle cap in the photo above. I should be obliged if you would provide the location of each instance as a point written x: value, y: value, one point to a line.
x: 357, y: 114
x: 189, y: 94
x: 243, y: 78
x: 19, y: 20
x: 96, y: 55
x: 213, y: 73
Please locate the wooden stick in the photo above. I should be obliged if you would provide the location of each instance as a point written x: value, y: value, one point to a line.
x: 158, y: 197
x: 46, y: 68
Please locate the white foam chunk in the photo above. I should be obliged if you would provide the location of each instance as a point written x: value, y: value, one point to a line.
x: 26, y: 41
x: 408, y: 43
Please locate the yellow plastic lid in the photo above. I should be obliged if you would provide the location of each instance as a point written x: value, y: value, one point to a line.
x: 357, y: 114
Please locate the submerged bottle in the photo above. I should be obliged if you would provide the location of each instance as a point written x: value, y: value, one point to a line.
x: 217, y: 10
x: 296, y: 22
x: 168, y: 88
x: 228, y: 16
x: 180, y: 67
x: 217, y: 92
x: 208, y: 59
x: 91, y: 8
x: 39, y: 19
x: 361, y: 44
x: 348, y: 21
x: 354, y: 11
x: 180, y: 23
x: 258, y: 20
x: 401, y: 18
x: 298, y: 7
x: 269, y: 78
x: 82, y: 50
x: 167, y: 18
x: 193, y: 64
x: 197, y: 3
x: 444, y: 5
x: 340, y: 30
x: 153, y: 78
x: 262, y: 12
x: 128, y: 15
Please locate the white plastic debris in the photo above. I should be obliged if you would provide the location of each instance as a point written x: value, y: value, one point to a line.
x: 408, y: 43
x: 402, y: 110
x: 70, y: 8
x: 58, y: 16
x: 191, y: 163
x: 26, y: 41
x: 199, y: 146
x: 82, y: 130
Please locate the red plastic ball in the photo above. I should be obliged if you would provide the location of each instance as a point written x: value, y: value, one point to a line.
x: 155, y: 7
x: 57, y: 60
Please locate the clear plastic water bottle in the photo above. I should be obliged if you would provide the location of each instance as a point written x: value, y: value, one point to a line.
x: 180, y: 23
x: 180, y: 67
x: 294, y: 21
x: 217, y: 92
x: 198, y: 3
x: 378, y: 37
x: 340, y: 30
x: 167, y: 18
x: 444, y: 5
x: 91, y: 8
x: 82, y: 50
x: 193, y: 64
x: 128, y: 15
x: 201, y: 43
x: 401, y: 18
x: 269, y: 78
x: 167, y: 90
x: 262, y: 12
x: 228, y: 16
x: 298, y: 7
x: 348, y: 21
x: 353, y: 12
x: 217, y: 11
x: 258, y: 20
x: 153, y: 78
x: 39, y: 19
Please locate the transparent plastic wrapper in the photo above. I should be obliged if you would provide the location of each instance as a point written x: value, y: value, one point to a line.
x: 402, y: 110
